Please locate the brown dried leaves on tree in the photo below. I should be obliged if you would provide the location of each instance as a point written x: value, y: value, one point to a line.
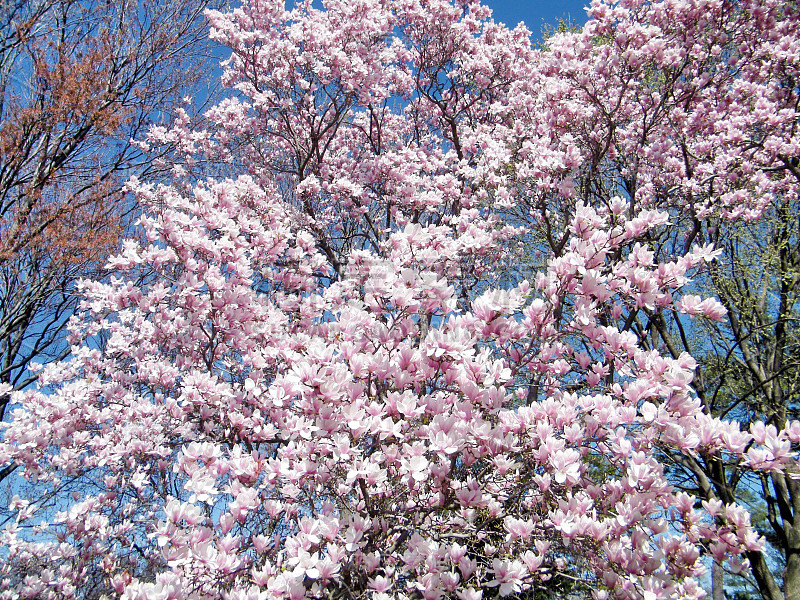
x: 79, y: 80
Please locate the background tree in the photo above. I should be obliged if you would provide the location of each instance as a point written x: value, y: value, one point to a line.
x: 749, y: 368
x: 79, y: 81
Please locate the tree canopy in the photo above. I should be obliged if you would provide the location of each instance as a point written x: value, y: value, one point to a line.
x: 444, y: 315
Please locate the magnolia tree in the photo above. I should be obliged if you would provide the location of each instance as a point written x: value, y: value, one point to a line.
x: 417, y: 347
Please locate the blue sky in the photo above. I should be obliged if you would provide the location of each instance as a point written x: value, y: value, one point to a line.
x: 537, y: 12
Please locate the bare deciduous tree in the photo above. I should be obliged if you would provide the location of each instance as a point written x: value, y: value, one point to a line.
x: 80, y: 80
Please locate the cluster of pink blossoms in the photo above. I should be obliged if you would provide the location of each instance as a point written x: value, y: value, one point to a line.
x: 393, y: 356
